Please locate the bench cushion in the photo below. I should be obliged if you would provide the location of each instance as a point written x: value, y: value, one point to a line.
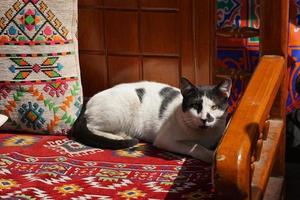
x: 52, y: 167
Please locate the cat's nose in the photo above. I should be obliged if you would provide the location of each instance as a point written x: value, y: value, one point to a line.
x: 209, y: 118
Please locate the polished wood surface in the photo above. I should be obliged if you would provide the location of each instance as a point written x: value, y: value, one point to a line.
x: 246, y: 155
x: 233, y: 156
x: 274, y: 40
x: 274, y: 27
x: 274, y: 189
x: 265, y: 164
x: 238, y: 32
x: 130, y: 40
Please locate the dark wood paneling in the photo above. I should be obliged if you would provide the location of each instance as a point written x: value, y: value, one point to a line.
x: 159, y: 3
x: 205, y: 37
x: 121, y: 3
x: 131, y: 40
x: 274, y: 41
x: 92, y: 3
x: 93, y: 73
x: 159, y: 33
x: 123, y: 69
x: 187, y: 45
x: 122, y: 31
x: 163, y: 70
x: 91, y: 38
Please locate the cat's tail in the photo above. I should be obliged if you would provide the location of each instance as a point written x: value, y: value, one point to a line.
x: 82, y: 134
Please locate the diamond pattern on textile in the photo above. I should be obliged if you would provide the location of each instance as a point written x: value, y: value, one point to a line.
x: 40, y: 86
x: 99, y: 175
x: 48, y: 178
x: 46, y: 106
x: 24, y: 69
x: 27, y: 193
x: 70, y: 148
x: 31, y: 21
x: 19, y: 140
x: 32, y: 115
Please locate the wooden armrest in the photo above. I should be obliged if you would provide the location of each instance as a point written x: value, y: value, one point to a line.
x: 233, y: 155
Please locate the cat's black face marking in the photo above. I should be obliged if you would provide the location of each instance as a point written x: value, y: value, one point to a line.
x: 204, y: 105
x: 140, y: 92
x: 168, y: 94
x: 219, y: 99
x: 193, y: 100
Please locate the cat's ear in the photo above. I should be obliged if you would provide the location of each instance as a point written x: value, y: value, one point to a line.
x: 186, y: 86
x: 225, y: 87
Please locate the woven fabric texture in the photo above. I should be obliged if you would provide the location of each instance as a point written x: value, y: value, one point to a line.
x: 40, y: 88
x: 65, y: 169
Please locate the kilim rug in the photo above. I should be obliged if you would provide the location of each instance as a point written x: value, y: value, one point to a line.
x: 55, y: 167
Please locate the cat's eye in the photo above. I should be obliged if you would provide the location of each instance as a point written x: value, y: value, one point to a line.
x: 214, y: 107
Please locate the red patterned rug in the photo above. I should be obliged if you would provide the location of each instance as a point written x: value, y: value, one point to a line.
x: 55, y: 167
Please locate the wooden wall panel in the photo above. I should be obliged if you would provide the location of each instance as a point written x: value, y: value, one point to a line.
x: 93, y: 73
x: 132, y: 40
x: 123, y: 69
x: 121, y: 3
x: 121, y: 31
x: 159, y: 33
x: 93, y: 3
x: 187, y: 43
x: 163, y: 70
x: 159, y: 3
x: 91, y: 39
x: 205, y: 37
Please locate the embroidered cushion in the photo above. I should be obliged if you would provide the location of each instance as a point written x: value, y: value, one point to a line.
x: 40, y: 89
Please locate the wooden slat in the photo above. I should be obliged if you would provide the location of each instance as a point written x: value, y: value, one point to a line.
x: 264, y: 166
x: 204, y: 36
x: 236, y: 147
x: 238, y: 32
x: 274, y: 188
x: 274, y: 40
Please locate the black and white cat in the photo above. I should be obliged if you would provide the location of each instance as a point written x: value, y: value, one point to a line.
x: 189, y: 120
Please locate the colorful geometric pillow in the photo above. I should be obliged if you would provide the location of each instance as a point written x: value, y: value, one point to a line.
x: 40, y: 88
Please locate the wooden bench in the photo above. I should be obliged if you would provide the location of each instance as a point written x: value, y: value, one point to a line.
x: 163, y: 40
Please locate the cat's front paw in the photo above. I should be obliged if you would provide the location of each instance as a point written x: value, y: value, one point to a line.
x: 204, y: 154
x: 208, y: 159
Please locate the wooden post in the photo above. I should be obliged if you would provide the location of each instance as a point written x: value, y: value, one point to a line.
x: 204, y: 37
x: 274, y: 41
x: 273, y: 27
